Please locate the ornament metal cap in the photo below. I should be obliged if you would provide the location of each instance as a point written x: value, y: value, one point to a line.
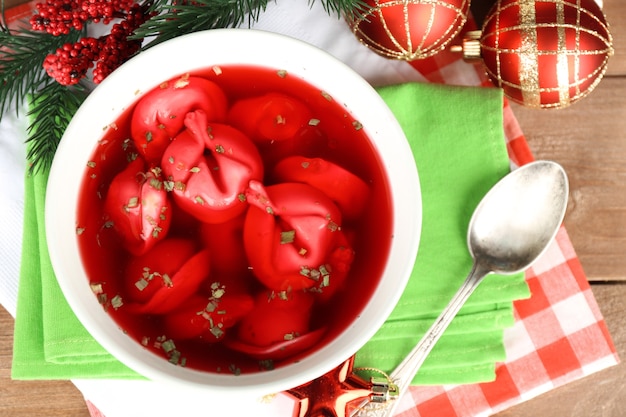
x: 470, y: 46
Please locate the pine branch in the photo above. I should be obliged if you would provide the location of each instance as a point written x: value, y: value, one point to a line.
x: 180, y: 19
x: 21, y: 58
x: 172, y: 19
x: 349, y: 8
x: 51, y: 110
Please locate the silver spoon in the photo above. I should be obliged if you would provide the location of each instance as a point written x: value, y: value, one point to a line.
x: 511, y: 227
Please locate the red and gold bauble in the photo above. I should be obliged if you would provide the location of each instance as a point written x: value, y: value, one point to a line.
x: 410, y: 29
x: 545, y: 53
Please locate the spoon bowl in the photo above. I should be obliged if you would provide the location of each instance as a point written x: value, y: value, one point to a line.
x: 517, y: 219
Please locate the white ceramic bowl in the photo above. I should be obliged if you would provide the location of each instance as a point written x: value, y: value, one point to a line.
x: 200, y: 51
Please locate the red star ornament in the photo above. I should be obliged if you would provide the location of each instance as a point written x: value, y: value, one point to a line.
x: 331, y: 394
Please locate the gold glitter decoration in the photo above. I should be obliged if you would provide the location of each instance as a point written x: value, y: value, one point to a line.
x: 391, y: 27
x: 562, y: 69
x: 529, y: 63
x: 546, y: 53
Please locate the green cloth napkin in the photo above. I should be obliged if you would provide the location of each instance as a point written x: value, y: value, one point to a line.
x: 50, y: 342
x: 456, y: 136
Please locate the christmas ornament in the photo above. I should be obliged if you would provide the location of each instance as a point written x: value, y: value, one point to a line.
x: 543, y: 53
x: 410, y: 29
x: 340, y: 393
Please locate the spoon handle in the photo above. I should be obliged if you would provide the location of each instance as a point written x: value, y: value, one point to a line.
x: 407, y: 369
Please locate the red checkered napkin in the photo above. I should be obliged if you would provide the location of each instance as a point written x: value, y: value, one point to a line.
x: 559, y: 336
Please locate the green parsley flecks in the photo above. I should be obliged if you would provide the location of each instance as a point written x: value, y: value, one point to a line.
x: 168, y: 346
x: 212, y: 307
x: 290, y: 336
x: 96, y: 288
x: 217, y: 290
x: 148, y: 275
x: 287, y: 237
x: 182, y: 82
x: 133, y: 202
x: 155, y: 183
x: 142, y: 284
x: 117, y: 302
x: 320, y: 274
x: 266, y: 365
x: 234, y: 369
x: 332, y: 226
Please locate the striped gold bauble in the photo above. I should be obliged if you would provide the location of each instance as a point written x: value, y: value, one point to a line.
x: 410, y: 29
x: 543, y: 53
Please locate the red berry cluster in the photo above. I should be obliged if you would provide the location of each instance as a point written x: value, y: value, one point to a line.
x: 116, y: 48
x: 70, y: 63
x: 58, y: 17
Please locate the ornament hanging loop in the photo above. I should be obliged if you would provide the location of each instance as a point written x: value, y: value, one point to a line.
x: 470, y: 47
x: 383, y: 390
x: 383, y: 393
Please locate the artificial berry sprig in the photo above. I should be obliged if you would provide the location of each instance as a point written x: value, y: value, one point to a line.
x: 71, y: 62
x: 116, y: 48
x: 58, y: 17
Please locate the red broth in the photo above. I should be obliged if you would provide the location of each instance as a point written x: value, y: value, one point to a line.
x: 332, y: 135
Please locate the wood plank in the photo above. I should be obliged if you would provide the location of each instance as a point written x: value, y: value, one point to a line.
x: 588, y: 139
x: 615, y: 12
x: 600, y: 394
x: 33, y: 398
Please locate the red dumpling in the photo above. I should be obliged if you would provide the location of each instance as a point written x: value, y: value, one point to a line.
x: 138, y: 207
x: 160, y: 114
x: 209, y: 166
x: 288, y: 233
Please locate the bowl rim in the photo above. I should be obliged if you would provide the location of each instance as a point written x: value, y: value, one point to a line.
x: 124, y: 86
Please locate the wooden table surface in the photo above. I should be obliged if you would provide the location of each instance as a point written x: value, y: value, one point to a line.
x: 589, y: 140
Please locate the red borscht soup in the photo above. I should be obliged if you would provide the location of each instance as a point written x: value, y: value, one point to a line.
x: 234, y: 219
